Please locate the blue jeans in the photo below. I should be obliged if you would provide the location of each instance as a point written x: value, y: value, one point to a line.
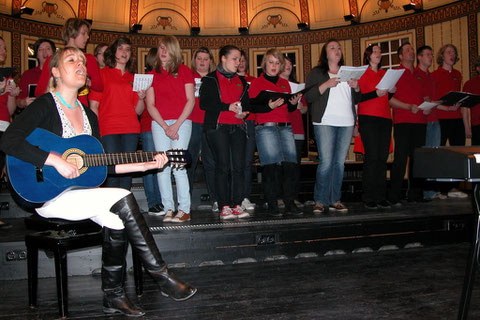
x: 150, y: 180
x: 164, y: 143
x: 249, y: 153
x: 115, y: 143
x: 332, y: 144
x: 198, y: 144
x: 275, y: 145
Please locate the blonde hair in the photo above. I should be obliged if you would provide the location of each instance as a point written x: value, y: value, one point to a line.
x: 72, y: 27
x: 57, y: 60
x: 276, y: 54
x: 174, y: 52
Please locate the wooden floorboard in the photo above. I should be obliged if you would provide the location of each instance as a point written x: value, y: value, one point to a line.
x: 422, y: 283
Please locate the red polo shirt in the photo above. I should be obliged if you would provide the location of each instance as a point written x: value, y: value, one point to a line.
x: 378, y: 107
x: 4, y: 113
x: 231, y: 91
x: 279, y: 114
x: 197, y: 115
x: 93, y: 73
x: 169, y: 88
x: 116, y: 112
x: 447, y: 81
x: 429, y: 87
x: 409, y: 90
x: 473, y: 86
x: 31, y: 76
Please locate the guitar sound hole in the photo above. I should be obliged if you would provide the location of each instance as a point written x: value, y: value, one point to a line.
x: 76, y: 160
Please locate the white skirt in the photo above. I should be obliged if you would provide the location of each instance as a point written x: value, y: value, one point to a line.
x: 91, y: 203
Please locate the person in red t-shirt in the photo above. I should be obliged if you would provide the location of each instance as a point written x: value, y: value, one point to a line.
x: 410, y: 125
x: 296, y: 120
x: 98, y: 53
x: 170, y: 102
x: 118, y: 106
x: 375, y: 128
x: 473, y: 86
x: 224, y: 97
x: 75, y: 34
x: 454, y: 124
x: 274, y: 136
x: 202, y: 64
x: 43, y: 48
x: 251, y: 146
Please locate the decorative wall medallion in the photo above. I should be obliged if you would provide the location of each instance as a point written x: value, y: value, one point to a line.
x: 385, y: 5
x: 164, y: 22
x: 274, y: 20
x: 50, y: 9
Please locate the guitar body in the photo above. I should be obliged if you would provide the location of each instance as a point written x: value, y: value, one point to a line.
x: 40, y: 185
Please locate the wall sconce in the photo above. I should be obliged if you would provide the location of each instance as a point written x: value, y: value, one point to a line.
x: 194, y: 31
x: 413, y: 6
x: 243, y: 31
x: 24, y: 10
x: 135, y: 28
x: 352, y: 18
x: 303, y: 26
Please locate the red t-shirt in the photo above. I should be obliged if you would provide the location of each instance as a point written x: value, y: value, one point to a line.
x: 93, y: 73
x: 4, y: 113
x: 447, y: 81
x: 31, y: 76
x: 409, y: 90
x: 169, y: 88
x: 279, y: 114
x: 378, y: 107
x: 429, y: 88
x: 231, y: 91
x: 116, y: 112
x: 197, y: 115
x: 473, y: 86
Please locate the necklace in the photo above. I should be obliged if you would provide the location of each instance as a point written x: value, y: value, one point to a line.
x: 77, y: 103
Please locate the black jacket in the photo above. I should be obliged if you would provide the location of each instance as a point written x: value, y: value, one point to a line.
x: 211, y: 100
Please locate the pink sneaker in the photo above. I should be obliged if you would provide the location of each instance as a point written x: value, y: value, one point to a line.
x: 239, y: 213
x: 226, y: 213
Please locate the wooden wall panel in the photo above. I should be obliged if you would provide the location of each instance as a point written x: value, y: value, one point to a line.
x: 274, y: 20
x: 6, y: 6
x: 347, y: 49
x: 226, y: 21
x: 109, y: 15
x: 52, y: 12
x: 365, y: 42
x: 326, y: 14
x: 429, y: 4
x: 443, y: 33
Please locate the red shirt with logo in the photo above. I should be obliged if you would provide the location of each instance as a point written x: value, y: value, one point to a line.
x: 409, y: 90
x: 473, y: 86
x: 230, y: 91
x: 447, y: 81
x: 429, y: 87
x: 377, y: 107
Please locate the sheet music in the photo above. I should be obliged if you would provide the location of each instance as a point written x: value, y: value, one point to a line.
x: 142, y: 81
x: 477, y: 157
x: 4, y: 125
x: 296, y: 87
x: 198, y: 83
x: 428, y: 105
x: 346, y: 73
x: 390, y: 79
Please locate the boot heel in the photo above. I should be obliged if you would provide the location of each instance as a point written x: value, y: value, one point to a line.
x: 191, y: 294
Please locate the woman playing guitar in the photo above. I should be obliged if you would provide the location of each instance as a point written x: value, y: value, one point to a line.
x: 115, y: 209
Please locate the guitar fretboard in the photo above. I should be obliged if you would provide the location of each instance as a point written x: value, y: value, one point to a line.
x: 109, y: 159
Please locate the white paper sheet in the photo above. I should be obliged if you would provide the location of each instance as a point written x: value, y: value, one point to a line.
x: 428, y: 105
x: 4, y: 125
x: 198, y: 83
x: 346, y: 73
x: 390, y: 79
x: 296, y: 87
x: 142, y: 81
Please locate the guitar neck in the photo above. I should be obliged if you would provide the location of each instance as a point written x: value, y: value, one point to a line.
x: 110, y: 159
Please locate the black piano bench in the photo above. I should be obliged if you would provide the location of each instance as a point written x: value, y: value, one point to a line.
x: 59, y: 242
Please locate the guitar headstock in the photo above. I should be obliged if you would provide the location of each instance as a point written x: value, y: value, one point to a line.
x: 178, y: 158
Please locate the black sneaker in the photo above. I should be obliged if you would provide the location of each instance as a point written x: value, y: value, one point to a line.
x: 384, y: 204
x: 370, y: 205
x: 156, y: 210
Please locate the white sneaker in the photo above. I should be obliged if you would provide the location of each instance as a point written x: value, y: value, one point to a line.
x: 247, y: 205
x: 454, y: 193
x: 215, y: 208
x: 226, y: 213
x: 168, y: 216
x: 439, y: 195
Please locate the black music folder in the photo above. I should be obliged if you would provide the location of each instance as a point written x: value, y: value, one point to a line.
x: 466, y: 100
x: 6, y: 72
x: 266, y: 95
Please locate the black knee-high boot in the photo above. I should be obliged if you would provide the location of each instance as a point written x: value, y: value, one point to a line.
x: 270, y: 188
x: 142, y: 240
x: 290, y: 188
x: 114, y: 250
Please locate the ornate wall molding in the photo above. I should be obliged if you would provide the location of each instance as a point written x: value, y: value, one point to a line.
x: 472, y: 21
x: 82, y: 9
x: 133, y: 12
x: 305, y: 16
x: 353, y: 7
x: 195, y: 14
x: 243, y: 13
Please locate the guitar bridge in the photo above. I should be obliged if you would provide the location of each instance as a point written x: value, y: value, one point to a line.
x: 39, y: 174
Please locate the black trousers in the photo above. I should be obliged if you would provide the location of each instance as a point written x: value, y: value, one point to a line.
x: 452, y: 130
x: 227, y: 143
x: 476, y: 135
x: 408, y: 136
x: 376, y: 134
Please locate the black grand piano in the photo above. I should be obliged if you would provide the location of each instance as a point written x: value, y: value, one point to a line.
x: 455, y: 164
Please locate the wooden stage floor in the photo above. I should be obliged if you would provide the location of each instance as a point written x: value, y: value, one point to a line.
x: 421, y: 283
